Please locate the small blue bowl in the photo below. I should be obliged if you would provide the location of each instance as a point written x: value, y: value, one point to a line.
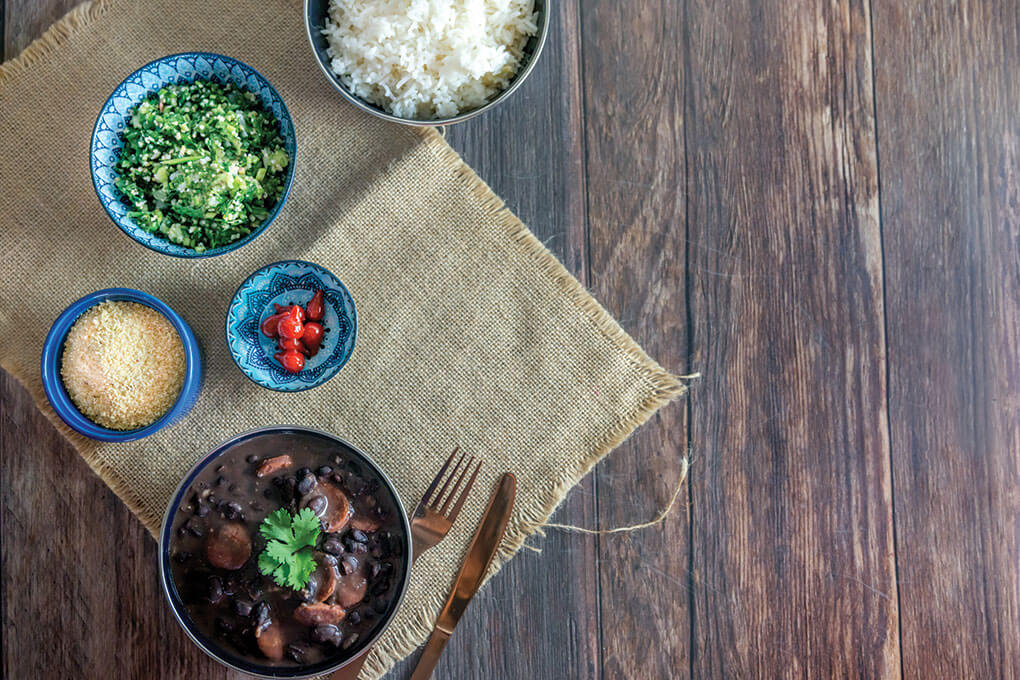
x: 53, y: 352
x: 284, y: 283
x: 107, y: 135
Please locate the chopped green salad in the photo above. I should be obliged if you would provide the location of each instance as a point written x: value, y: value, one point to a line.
x: 203, y: 164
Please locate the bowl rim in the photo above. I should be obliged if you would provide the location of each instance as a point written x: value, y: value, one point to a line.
x: 169, y: 588
x: 52, y: 357
x: 230, y: 247
x: 325, y: 378
x: 518, y: 80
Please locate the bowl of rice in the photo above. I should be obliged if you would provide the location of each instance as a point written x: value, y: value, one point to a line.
x: 120, y: 364
x: 421, y: 62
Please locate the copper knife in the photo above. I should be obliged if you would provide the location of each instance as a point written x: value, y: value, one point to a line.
x: 483, y: 548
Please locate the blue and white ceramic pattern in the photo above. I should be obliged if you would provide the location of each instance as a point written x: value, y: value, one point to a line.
x: 107, y: 136
x: 285, y: 283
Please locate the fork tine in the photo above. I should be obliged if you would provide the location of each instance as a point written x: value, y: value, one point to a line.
x: 442, y: 489
x: 453, y: 491
x: 439, y: 476
x: 464, y: 494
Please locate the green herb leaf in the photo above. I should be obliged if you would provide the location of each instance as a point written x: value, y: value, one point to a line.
x: 290, y: 543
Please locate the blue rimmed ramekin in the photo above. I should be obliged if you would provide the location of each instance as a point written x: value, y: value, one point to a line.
x: 53, y: 351
x: 186, y: 67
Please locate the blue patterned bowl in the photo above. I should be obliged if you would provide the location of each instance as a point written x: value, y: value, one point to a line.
x: 284, y: 283
x: 107, y: 139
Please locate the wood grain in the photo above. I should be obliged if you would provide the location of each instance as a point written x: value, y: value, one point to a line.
x: 636, y: 198
x: 792, y: 510
x: 948, y: 96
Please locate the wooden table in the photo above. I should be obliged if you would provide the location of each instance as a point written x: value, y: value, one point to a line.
x: 816, y: 205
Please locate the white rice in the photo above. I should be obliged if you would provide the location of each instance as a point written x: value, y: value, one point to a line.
x: 427, y: 59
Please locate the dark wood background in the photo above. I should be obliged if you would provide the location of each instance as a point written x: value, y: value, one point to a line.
x: 815, y: 204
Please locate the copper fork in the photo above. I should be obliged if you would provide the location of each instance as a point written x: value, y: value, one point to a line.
x: 429, y: 524
x: 430, y: 521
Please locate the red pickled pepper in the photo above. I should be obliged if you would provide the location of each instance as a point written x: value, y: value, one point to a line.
x: 296, y: 338
x: 316, y: 308
x: 290, y: 326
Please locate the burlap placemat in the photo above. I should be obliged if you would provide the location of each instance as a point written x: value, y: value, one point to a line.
x: 471, y: 332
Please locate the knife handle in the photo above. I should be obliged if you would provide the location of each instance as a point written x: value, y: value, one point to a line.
x: 430, y: 657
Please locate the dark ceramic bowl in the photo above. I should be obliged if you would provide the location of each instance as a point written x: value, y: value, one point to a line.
x: 316, y: 12
x: 270, y: 441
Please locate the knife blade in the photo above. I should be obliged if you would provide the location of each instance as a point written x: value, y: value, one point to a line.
x: 472, y: 572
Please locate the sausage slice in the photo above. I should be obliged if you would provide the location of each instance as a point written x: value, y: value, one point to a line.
x: 273, y: 465
x: 319, y: 614
x: 335, y: 512
x: 228, y: 546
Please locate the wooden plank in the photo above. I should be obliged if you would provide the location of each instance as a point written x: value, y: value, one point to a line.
x: 633, y: 74
x: 948, y: 94
x: 539, y: 619
x: 793, y: 541
x: 26, y: 20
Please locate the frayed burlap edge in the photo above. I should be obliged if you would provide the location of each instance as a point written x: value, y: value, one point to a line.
x: 665, y: 386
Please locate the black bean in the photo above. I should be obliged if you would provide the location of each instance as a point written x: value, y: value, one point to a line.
x: 194, y: 527
x: 317, y: 504
x: 261, y: 616
x: 221, y: 481
x: 355, y: 484
x: 279, y: 481
x: 376, y: 569
x: 224, y: 625
x: 337, y: 478
x: 348, y: 564
x: 233, y: 488
x: 202, y: 485
x: 350, y: 641
x: 211, y: 499
x: 202, y: 510
x: 332, y: 546
x: 301, y: 472
x: 354, y: 618
x: 214, y: 590
x: 231, y: 510
x: 327, y: 633
x: 252, y: 458
x: 324, y: 471
x: 305, y: 485
x: 180, y: 531
x: 242, y: 608
x: 182, y: 557
x: 355, y: 547
x: 219, y: 468
x: 359, y: 536
x: 336, y: 460
x: 297, y: 652
x: 268, y: 493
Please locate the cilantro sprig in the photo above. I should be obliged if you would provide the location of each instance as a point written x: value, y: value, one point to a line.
x: 290, y: 542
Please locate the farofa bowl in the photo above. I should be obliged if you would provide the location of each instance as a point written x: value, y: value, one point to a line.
x: 52, y: 359
x: 178, y: 69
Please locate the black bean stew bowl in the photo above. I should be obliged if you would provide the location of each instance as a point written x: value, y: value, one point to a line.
x: 210, y: 549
